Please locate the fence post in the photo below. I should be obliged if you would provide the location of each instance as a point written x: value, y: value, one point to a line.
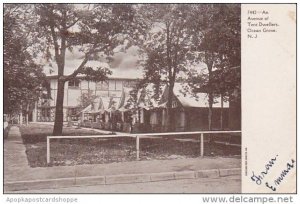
x: 201, y: 145
x: 48, y: 150
x: 137, y: 148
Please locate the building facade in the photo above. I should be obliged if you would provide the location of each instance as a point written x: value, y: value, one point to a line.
x: 189, y: 112
x: 44, y: 110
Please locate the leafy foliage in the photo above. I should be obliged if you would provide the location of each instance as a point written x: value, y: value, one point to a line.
x: 216, y: 42
x: 92, y: 29
x: 172, y: 38
x: 166, y: 45
x: 181, y: 36
x: 98, y: 74
x: 23, y: 78
x: 87, y: 98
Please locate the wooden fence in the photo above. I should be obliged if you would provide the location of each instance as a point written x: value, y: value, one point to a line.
x: 141, y: 135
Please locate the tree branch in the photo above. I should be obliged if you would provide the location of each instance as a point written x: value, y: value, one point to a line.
x: 63, y: 41
x: 169, y: 59
x: 85, y: 60
x: 73, y: 23
x: 77, y: 71
x: 56, y: 47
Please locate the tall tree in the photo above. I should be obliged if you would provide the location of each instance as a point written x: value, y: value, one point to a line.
x: 215, y: 32
x: 94, y: 30
x: 23, y: 78
x: 165, y: 46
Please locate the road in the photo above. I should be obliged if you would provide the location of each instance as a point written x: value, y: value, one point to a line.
x: 230, y: 184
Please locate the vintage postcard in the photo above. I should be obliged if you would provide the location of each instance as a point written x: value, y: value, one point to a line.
x: 149, y: 98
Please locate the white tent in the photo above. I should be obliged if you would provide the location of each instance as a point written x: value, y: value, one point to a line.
x: 146, y: 97
x: 125, y: 105
x: 200, y: 100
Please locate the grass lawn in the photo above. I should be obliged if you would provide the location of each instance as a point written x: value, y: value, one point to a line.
x: 108, y: 150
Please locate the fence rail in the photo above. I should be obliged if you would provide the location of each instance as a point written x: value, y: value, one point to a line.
x: 141, y: 135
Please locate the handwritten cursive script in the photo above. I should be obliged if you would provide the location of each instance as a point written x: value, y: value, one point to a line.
x: 280, y: 178
x: 259, y: 178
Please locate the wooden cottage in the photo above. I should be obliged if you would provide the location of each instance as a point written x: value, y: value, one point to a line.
x: 189, y: 111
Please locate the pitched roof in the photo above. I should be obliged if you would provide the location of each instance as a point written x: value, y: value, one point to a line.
x: 199, y: 100
x: 146, y: 97
x: 87, y: 109
x: 124, y: 102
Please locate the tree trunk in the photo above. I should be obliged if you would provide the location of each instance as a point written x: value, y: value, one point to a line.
x: 27, y: 113
x: 221, y: 114
x: 26, y: 118
x: 210, y: 100
x: 21, y: 117
x: 171, y: 77
x: 210, y: 105
x: 34, y: 112
x: 169, y: 108
x: 59, y: 114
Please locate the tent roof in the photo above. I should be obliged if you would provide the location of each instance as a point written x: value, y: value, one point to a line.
x: 146, y: 97
x: 200, y: 100
x: 125, y: 98
x: 86, y: 109
x: 114, y: 103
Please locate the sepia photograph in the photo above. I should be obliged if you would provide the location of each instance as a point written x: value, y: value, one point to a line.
x: 122, y: 98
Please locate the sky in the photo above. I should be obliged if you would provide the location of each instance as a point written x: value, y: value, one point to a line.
x: 123, y: 65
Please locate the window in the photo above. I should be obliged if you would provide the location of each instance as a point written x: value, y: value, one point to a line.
x: 129, y: 83
x: 119, y: 85
x: 74, y: 83
x: 111, y: 85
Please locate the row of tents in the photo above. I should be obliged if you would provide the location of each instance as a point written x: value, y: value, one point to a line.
x: 148, y: 111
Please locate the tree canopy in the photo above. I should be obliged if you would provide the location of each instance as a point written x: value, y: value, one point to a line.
x: 95, y: 30
x: 172, y: 38
x: 216, y: 37
x: 23, y: 78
